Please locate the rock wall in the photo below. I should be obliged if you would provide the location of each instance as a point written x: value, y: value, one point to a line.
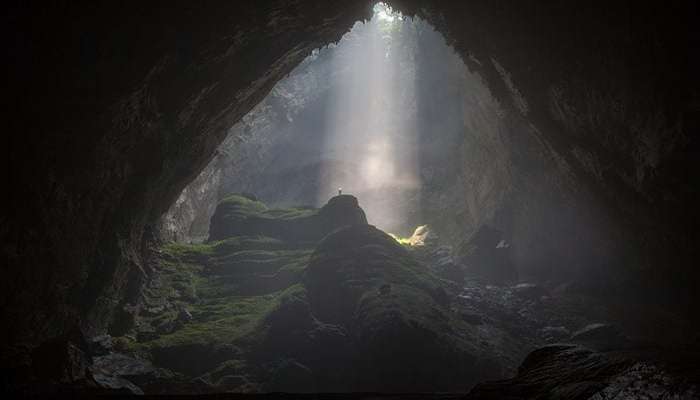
x: 595, y: 92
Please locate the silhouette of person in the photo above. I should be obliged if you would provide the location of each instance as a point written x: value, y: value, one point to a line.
x: 340, y: 191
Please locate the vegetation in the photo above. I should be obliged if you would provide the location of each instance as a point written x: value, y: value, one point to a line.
x: 237, y: 206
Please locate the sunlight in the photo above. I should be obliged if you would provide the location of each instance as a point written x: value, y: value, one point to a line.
x: 373, y: 152
x: 383, y: 12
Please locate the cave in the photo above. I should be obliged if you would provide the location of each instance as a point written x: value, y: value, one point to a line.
x: 478, y: 199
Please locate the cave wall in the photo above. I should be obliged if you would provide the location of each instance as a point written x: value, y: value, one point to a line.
x: 605, y: 92
x: 115, y: 108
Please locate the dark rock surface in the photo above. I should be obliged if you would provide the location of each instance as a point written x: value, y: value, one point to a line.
x: 572, y: 372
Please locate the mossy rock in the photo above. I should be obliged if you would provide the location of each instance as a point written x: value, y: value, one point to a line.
x: 357, y: 261
x: 238, y: 215
x: 351, y: 311
x: 229, y: 287
x: 397, y: 312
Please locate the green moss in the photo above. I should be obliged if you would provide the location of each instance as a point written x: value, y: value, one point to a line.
x: 229, y: 287
x: 238, y: 243
x: 290, y: 213
x: 231, y: 319
x: 238, y: 207
x: 404, y: 241
x: 243, y: 204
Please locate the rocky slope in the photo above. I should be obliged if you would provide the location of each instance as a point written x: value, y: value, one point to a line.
x: 341, y: 306
x: 268, y: 304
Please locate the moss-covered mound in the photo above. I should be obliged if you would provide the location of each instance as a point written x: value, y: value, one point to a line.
x: 239, y: 215
x: 397, y: 313
x: 207, y: 304
x: 354, y: 311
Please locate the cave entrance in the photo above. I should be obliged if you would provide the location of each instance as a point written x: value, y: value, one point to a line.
x: 389, y: 114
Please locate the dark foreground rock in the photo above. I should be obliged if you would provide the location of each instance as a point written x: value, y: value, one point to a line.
x: 405, y: 335
x: 565, y: 371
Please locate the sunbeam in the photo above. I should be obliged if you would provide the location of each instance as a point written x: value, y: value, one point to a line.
x: 375, y: 64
